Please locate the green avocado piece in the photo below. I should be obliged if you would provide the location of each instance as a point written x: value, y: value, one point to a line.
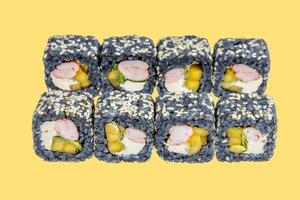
x: 115, y: 77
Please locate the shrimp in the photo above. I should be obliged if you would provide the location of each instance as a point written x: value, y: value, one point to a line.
x: 65, y: 70
x: 245, y: 73
x: 134, y: 70
x: 179, y: 134
x: 66, y: 129
x: 135, y: 135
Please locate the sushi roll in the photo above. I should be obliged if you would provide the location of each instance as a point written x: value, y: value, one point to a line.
x: 72, y: 63
x: 246, y: 128
x: 62, y: 126
x: 127, y: 64
x: 240, y: 66
x: 185, y: 127
x: 183, y: 65
x: 124, y: 127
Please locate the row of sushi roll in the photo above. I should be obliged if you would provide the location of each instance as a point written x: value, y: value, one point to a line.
x: 124, y: 122
x: 176, y: 64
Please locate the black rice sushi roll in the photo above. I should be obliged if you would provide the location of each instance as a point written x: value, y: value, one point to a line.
x: 124, y: 127
x: 183, y: 65
x: 185, y: 127
x: 62, y: 126
x: 72, y: 63
x: 246, y: 128
x: 240, y: 66
x: 127, y: 64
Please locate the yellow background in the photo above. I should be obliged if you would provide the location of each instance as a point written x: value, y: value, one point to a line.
x: 25, y: 27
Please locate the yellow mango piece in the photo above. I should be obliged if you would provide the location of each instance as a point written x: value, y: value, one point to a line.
x: 111, y: 128
x: 115, y: 147
x: 194, y: 149
x: 113, y: 78
x: 84, y: 67
x: 203, y: 140
x: 82, y: 78
x: 76, y: 86
x: 237, y: 149
x: 194, y: 140
x: 65, y: 146
x: 234, y: 141
x: 113, y: 132
x: 69, y: 148
x: 192, y: 85
x: 195, y: 72
x: 235, y: 132
x: 200, y: 131
x: 57, y: 145
x: 229, y: 86
x: 229, y: 76
x: 113, y: 137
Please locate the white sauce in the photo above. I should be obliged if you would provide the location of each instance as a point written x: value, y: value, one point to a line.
x: 250, y: 86
x: 133, y: 86
x: 177, y: 86
x: 182, y: 148
x: 131, y: 148
x: 63, y: 83
x: 255, y: 147
x: 48, y: 132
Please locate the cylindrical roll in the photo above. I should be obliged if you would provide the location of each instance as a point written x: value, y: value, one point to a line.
x: 72, y: 63
x: 247, y: 125
x: 124, y: 127
x: 183, y: 65
x: 127, y: 64
x: 62, y: 126
x: 240, y: 66
x: 185, y: 127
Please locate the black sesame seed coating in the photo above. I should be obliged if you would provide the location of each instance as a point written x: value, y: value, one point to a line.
x: 131, y: 47
x: 65, y: 48
x: 195, y: 109
x: 252, y: 52
x: 244, y: 110
x: 128, y: 110
x: 174, y: 52
x: 57, y: 104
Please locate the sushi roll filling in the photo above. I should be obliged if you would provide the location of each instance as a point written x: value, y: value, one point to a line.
x: 241, y: 78
x: 60, y: 136
x: 129, y: 75
x: 71, y: 75
x: 184, y: 79
x: 124, y: 141
x: 246, y: 140
x: 185, y: 139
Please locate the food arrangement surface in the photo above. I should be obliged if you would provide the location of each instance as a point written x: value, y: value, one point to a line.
x: 99, y: 100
